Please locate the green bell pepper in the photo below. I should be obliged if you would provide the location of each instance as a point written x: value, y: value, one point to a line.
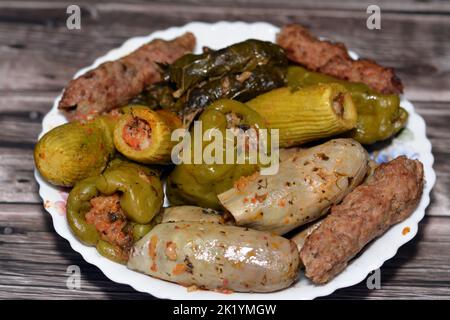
x: 141, y: 198
x: 199, y: 184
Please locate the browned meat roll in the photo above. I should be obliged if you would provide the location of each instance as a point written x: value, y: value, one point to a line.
x: 114, y: 83
x: 389, y: 197
x: 333, y: 59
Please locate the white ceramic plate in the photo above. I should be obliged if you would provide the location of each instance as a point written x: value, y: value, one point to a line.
x: 412, y: 142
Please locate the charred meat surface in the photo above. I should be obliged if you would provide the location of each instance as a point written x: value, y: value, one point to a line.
x: 389, y: 197
x: 333, y: 59
x: 114, y: 83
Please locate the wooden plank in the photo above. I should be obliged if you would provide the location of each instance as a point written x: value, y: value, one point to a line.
x: 407, y: 6
x: 39, y: 53
x: 34, y: 261
x: 17, y: 183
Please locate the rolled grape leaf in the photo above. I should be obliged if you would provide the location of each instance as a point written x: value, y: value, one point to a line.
x: 241, y: 87
x: 191, y: 69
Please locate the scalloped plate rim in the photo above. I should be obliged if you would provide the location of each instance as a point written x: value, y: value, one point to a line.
x: 167, y: 290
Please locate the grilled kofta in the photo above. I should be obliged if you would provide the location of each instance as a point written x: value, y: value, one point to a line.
x: 390, y: 196
x: 114, y: 83
x: 333, y: 59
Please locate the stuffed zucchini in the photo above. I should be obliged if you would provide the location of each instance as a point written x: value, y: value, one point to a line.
x: 308, y: 114
x: 74, y: 151
x: 144, y: 135
x: 379, y: 115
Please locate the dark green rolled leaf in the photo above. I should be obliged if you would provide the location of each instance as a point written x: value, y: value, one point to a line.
x: 241, y: 87
x: 157, y: 96
x: 191, y: 69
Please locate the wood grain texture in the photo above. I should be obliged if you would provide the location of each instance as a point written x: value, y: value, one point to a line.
x: 34, y: 262
x: 38, y: 55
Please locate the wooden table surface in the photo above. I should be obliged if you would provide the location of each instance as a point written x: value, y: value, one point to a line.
x: 38, y: 55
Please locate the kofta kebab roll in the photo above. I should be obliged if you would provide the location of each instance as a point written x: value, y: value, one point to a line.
x: 217, y: 257
x: 300, y: 238
x: 114, y: 83
x: 144, y: 135
x: 308, y: 182
x: 389, y: 197
x: 333, y: 59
